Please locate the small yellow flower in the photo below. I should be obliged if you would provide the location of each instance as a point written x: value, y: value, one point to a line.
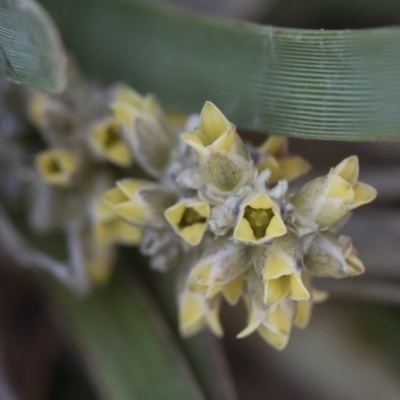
x: 259, y: 220
x: 189, y: 219
x: 272, y: 323
x: 323, y: 201
x: 273, y: 155
x: 279, y: 266
x: 110, y: 228
x: 195, y: 313
x: 220, y: 269
x: 223, y: 158
x: 107, y: 141
x: 328, y: 256
x: 146, y: 129
x: 57, y: 166
x: 140, y: 202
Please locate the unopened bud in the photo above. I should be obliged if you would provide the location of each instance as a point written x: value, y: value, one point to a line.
x: 223, y: 159
x: 328, y: 256
x: 146, y: 129
x: 219, y: 268
x: 325, y: 200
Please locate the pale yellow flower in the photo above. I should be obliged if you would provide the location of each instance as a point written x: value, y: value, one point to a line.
x: 258, y: 220
x: 189, y: 219
x: 272, y: 323
x: 279, y: 266
x: 57, y: 166
x: 273, y: 155
x: 107, y: 141
x: 140, y: 202
x: 110, y: 228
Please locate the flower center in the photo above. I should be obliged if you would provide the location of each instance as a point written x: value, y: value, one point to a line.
x: 54, y: 166
x: 112, y: 137
x: 259, y: 219
x: 191, y: 217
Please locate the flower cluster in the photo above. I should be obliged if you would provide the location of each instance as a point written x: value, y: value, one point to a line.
x: 194, y: 198
x: 221, y: 213
x: 84, y: 154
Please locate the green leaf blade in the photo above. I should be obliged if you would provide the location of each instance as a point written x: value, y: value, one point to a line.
x: 302, y: 83
x: 127, y: 357
x: 31, y: 52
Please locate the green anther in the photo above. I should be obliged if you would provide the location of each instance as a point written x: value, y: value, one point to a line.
x: 54, y: 166
x: 191, y: 217
x: 112, y: 137
x: 259, y: 219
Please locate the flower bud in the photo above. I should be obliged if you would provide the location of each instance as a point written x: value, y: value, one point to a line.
x: 51, y: 113
x: 107, y: 141
x: 258, y: 220
x: 189, y: 219
x: 223, y: 159
x: 140, y: 202
x: 273, y: 155
x: 279, y: 266
x: 57, y: 166
x: 323, y: 201
x: 146, y: 129
x: 331, y: 257
x: 220, y: 267
x: 272, y: 323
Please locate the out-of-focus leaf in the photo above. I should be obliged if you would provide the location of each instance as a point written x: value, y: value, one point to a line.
x: 31, y: 52
x: 128, y: 357
x: 303, y: 83
x: 123, y: 334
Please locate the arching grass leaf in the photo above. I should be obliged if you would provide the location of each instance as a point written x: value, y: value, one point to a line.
x: 303, y: 83
x: 31, y: 52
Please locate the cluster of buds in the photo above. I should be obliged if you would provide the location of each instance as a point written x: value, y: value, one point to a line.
x: 194, y: 198
x: 222, y: 214
x: 85, y: 152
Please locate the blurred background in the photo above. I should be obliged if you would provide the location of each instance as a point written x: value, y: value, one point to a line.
x: 351, y: 349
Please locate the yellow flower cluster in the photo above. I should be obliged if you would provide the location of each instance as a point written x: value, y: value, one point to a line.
x: 202, y: 202
x: 241, y: 233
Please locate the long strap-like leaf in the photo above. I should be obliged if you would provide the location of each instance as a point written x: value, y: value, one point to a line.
x: 303, y: 83
x: 31, y: 52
